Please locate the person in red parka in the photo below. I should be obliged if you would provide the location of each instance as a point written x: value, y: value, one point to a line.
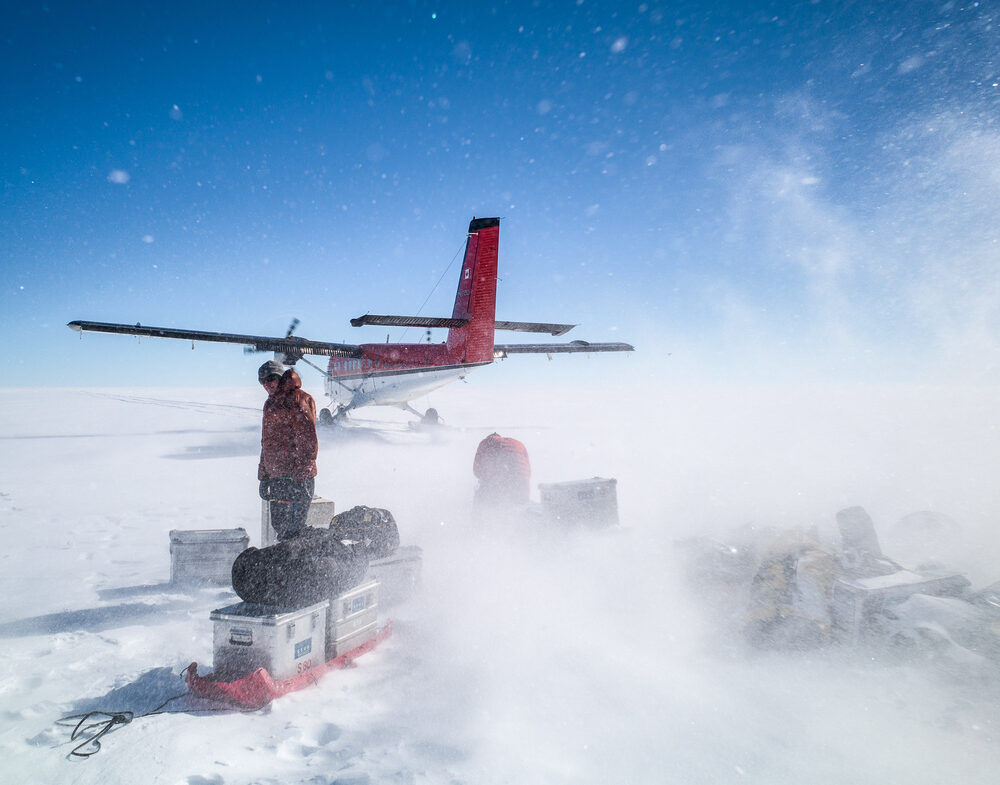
x: 504, y: 473
x: 288, y: 448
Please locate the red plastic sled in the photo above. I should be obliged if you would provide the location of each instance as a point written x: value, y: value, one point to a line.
x: 259, y: 688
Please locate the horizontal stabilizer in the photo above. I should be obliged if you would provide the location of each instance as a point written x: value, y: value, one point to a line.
x: 441, y: 321
x: 291, y: 346
x: 408, y: 321
x: 502, y: 350
x: 534, y: 327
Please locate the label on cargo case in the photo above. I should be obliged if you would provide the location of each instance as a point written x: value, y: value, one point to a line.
x: 240, y: 636
x: 302, y: 648
x: 355, y: 605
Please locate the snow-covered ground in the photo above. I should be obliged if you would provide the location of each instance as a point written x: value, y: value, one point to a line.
x: 525, y: 658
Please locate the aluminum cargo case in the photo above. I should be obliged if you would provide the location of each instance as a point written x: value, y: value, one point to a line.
x: 591, y: 503
x: 352, y: 618
x: 857, y: 601
x: 284, y: 641
x: 321, y: 511
x: 398, y: 575
x: 205, y: 555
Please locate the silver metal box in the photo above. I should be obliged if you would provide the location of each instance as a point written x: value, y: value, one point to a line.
x: 205, y: 555
x: 592, y: 503
x: 284, y: 641
x: 320, y: 514
x: 857, y: 601
x: 398, y: 574
x: 352, y: 619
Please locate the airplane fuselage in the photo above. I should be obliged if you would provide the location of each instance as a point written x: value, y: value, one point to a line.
x: 393, y: 373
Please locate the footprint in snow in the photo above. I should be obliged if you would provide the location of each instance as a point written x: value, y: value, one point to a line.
x: 327, y: 733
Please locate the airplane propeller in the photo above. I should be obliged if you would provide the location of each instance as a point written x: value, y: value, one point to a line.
x: 289, y: 357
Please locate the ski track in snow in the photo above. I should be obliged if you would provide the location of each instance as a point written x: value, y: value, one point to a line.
x: 525, y: 658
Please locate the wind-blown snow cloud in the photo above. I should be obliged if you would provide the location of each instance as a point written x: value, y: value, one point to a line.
x: 899, y: 279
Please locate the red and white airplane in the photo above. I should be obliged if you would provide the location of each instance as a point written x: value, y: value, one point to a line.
x: 393, y: 374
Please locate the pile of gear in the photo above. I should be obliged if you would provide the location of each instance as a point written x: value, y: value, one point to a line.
x: 315, y: 563
x: 790, y: 590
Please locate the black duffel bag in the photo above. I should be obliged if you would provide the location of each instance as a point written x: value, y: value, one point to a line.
x: 373, y: 528
x: 310, y: 566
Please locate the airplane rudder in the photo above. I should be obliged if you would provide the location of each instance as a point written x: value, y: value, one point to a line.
x: 476, y: 296
x: 482, y: 300
x: 487, y: 233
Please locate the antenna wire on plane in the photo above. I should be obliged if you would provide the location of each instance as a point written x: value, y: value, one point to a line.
x: 420, y: 310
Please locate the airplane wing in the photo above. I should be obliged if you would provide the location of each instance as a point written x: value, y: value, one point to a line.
x: 503, y: 349
x: 434, y: 321
x: 291, y: 346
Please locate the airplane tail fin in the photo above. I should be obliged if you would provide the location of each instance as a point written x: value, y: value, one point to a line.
x: 476, y: 299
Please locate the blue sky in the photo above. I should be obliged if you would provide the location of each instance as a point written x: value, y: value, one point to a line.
x: 780, y: 191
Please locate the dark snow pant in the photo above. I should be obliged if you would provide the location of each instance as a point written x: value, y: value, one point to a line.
x: 289, y: 504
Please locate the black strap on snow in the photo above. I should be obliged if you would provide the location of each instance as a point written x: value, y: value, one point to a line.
x: 104, y: 722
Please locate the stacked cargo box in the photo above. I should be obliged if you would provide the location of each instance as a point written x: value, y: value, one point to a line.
x: 589, y: 503
x: 352, y: 619
x: 283, y: 641
x: 289, y: 641
x: 205, y: 555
